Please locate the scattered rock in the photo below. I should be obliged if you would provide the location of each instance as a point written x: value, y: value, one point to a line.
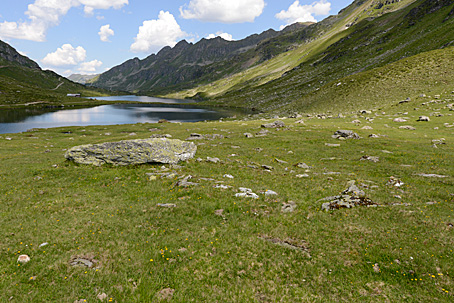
x: 288, y: 207
x: 280, y: 161
x: 302, y: 176
x: 347, y: 134
x: 400, y: 120
x: 376, y: 268
x: 367, y: 127
x: 82, y: 262
x: 332, y: 145
x: 23, y: 259
x: 219, y: 212
x: 393, y: 181
x: 133, y: 152
x: 267, y: 167
x: 195, y: 136
x: 163, y: 121
x: 302, y: 165
x: 166, y: 205
x: 157, y: 136
x: 275, y: 124
x: 349, y: 198
x: 213, y: 160
x: 246, y: 193
x: 229, y: 176
x: 270, y: 193
x: 294, y: 244
x: 248, y: 135
x: 102, y: 296
x: 166, y: 294
x: 432, y: 176
x: 186, y: 183
x: 221, y: 186
x: 370, y: 158
x: 43, y: 244
x: 423, y: 119
x: 407, y: 127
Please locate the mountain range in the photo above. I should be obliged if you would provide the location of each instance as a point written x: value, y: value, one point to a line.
x: 371, y: 53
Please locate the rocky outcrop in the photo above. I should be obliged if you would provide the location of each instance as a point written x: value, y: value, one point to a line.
x: 133, y: 152
x: 10, y: 54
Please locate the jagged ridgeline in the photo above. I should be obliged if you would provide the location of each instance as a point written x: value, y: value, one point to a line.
x: 294, y: 68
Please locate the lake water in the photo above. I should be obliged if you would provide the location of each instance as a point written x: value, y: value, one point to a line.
x: 20, y: 120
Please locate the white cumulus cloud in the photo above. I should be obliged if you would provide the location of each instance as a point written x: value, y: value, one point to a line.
x: 65, y: 56
x: 225, y: 11
x: 105, y: 32
x: 304, y: 13
x: 155, y: 34
x: 225, y: 36
x: 89, y: 67
x: 44, y: 14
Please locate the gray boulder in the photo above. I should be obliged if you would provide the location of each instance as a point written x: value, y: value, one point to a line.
x: 275, y: 124
x: 133, y: 152
x: 347, y: 134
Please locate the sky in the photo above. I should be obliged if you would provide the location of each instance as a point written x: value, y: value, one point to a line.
x: 92, y: 36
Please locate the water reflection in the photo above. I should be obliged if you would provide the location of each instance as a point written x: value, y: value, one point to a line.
x: 12, y: 121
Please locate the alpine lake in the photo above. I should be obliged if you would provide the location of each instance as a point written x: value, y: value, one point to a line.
x: 146, y: 110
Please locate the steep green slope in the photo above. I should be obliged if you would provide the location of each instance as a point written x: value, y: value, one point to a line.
x: 23, y: 82
x: 305, y: 44
x: 420, y: 27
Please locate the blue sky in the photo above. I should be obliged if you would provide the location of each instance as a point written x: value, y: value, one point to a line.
x: 91, y: 36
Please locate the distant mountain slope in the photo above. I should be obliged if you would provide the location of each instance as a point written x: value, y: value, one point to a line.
x: 423, y: 26
x: 9, y: 55
x: 187, y: 65
x: 22, y: 81
x: 82, y: 79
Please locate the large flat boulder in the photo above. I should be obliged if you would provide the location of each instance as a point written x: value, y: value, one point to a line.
x: 133, y: 152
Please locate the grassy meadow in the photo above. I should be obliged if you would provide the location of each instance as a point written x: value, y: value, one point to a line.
x: 215, y: 247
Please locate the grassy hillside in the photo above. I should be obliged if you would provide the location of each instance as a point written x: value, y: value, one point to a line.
x: 215, y: 247
x: 306, y: 44
x: 21, y: 85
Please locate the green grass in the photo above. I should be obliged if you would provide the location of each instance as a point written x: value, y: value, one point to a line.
x: 111, y: 214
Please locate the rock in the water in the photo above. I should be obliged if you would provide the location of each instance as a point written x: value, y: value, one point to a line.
x: 275, y: 124
x: 133, y: 152
x: 347, y: 134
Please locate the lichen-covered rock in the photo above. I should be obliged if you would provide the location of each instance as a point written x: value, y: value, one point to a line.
x: 347, y: 134
x: 133, y: 152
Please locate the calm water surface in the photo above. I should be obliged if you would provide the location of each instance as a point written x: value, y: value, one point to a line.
x: 19, y: 120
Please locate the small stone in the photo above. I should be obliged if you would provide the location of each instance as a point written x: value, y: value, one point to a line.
x: 275, y: 124
x: 400, y: 120
x: 376, y: 268
x: 302, y: 176
x: 302, y: 165
x: 213, y: 160
x: 229, y: 176
x: 423, y: 119
x: 332, y: 145
x: 221, y: 186
x: 395, y: 182
x: 270, y: 193
x: 370, y: 158
x: 23, y: 259
x: 102, y: 296
x: 43, y: 244
x: 167, y: 205
x: 367, y: 128
x: 166, y: 294
x: 288, y: 207
x: 248, y: 135
x: 267, y: 167
x: 219, y: 212
x: 347, y: 134
x: 408, y: 127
